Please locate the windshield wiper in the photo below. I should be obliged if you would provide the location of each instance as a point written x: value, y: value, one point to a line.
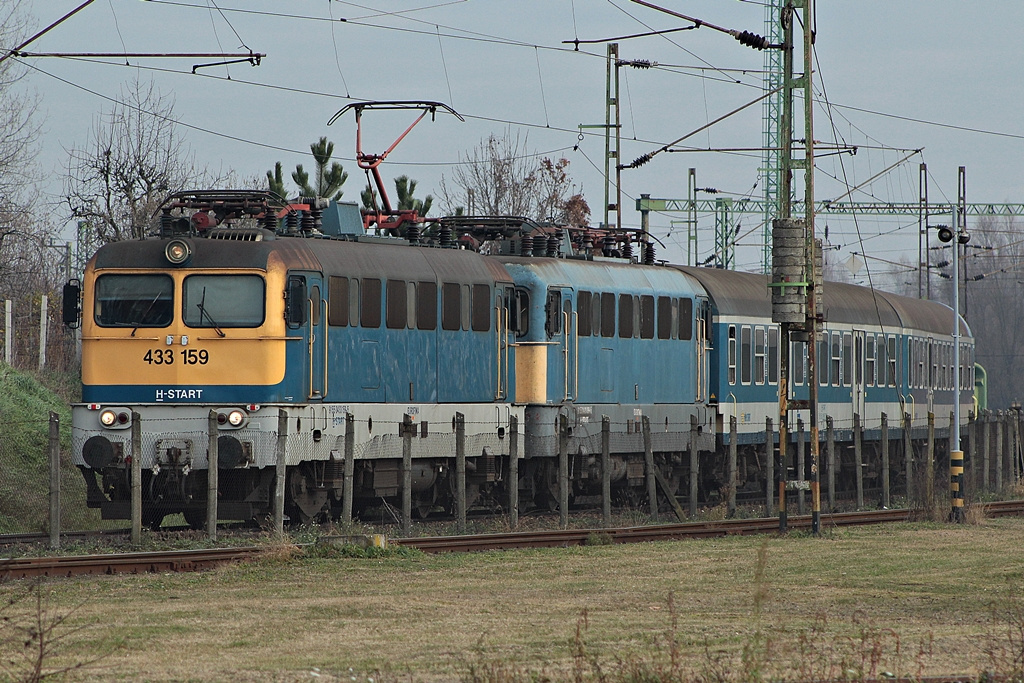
x: 142, y: 318
x: 204, y: 312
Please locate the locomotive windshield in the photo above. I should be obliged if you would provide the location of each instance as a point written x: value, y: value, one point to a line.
x: 223, y: 301
x: 134, y: 300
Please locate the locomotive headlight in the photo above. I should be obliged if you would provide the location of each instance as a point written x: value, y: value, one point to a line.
x: 232, y: 418
x: 236, y: 418
x: 115, y: 418
x: 108, y: 418
x: 178, y: 252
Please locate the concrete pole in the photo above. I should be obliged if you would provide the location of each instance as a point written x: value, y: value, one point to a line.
x: 281, y: 471
x: 694, y: 467
x: 606, y: 471
x: 348, y: 487
x: 769, y: 464
x: 830, y: 453
x: 136, y: 479
x: 999, y: 451
x: 8, y: 331
x: 406, y: 430
x: 55, y: 480
x: 929, y: 464
x: 732, y: 466
x: 858, y: 460
x: 652, y: 487
x: 212, y: 476
x: 563, y: 471
x: 43, y: 328
x: 800, y: 466
x: 513, y: 471
x: 986, y: 449
x: 886, y: 501
x: 460, y: 471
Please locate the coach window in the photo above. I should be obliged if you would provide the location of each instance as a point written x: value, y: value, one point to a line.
x: 585, y: 310
x: 666, y: 310
x: 773, y: 355
x: 869, y: 360
x: 647, y: 317
x: 426, y: 305
x: 625, y: 316
x: 607, y: 315
x: 686, y: 319
x: 481, y: 308
x: 890, y: 358
x: 798, y: 355
x: 933, y: 363
x: 880, y: 361
x: 823, y: 359
x: 847, y: 359
x: 369, y: 310
x: 837, y: 359
x: 759, y: 355
x: 134, y: 300
x: 732, y: 354
x: 451, y: 306
x: 396, y: 310
x: 337, y: 298
x: 745, y: 350
x: 227, y: 300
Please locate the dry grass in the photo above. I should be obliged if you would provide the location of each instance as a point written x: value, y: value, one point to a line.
x: 910, y: 599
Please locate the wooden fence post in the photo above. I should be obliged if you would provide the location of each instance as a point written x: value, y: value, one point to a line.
x: 908, y: 454
x: 212, y: 472
x: 54, y: 447
x: 348, y: 487
x: 406, y: 430
x: 732, y: 466
x: 513, y: 471
x: 769, y: 464
x: 886, y: 501
x: 281, y: 463
x: 460, y: 471
x: 563, y: 470
x: 606, y: 471
x: 652, y: 484
x: 136, y: 474
x: 858, y: 460
x: 801, y: 469
x: 830, y: 449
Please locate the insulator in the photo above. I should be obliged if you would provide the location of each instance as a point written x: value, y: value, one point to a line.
x: 308, y: 222
x: 648, y: 254
x: 752, y: 40
x: 292, y: 221
x: 640, y: 160
x: 627, y: 249
x: 641, y: 64
x: 553, y: 244
x: 317, y: 214
x: 412, y: 233
x: 445, y: 236
x: 270, y: 220
x: 526, y: 245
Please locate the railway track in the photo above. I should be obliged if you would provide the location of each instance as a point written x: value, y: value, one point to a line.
x: 194, y: 560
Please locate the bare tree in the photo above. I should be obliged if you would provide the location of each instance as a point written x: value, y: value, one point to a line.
x: 499, y: 177
x: 133, y: 159
x: 19, y: 122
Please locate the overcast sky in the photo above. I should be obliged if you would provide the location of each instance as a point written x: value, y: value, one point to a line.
x: 942, y: 76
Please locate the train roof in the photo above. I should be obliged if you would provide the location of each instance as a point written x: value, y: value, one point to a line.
x: 737, y: 294
x: 600, y: 275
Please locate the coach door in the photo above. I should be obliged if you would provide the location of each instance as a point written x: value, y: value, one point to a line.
x: 702, y: 344
x: 858, y: 389
x: 563, y: 344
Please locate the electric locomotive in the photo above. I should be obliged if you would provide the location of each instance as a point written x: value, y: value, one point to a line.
x: 258, y: 310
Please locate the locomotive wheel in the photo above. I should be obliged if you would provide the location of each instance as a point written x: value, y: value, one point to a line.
x: 195, y: 518
x: 308, y: 500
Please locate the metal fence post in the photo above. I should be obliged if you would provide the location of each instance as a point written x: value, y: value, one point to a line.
x: 54, y: 481
x: 212, y: 486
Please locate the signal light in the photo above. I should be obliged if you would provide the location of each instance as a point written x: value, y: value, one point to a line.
x: 178, y: 252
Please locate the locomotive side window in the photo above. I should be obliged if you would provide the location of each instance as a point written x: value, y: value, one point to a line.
x: 686, y: 319
x: 773, y: 356
x: 647, y: 317
x: 134, y: 300
x: 314, y: 304
x: 759, y: 356
x: 625, y: 316
x: 337, y: 296
x: 521, y: 310
x: 227, y: 300
x: 585, y: 309
x: 665, y: 310
x: 369, y: 310
x: 553, y: 313
x: 745, y: 349
x: 607, y: 315
x: 396, y: 306
x: 732, y: 354
x: 426, y: 305
x: 595, y: 321
x: 451, y: 306
x: 467, y: 302
x: 481, y: 308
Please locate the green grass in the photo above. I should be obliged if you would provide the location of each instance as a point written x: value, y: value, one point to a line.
x: 912, y: 599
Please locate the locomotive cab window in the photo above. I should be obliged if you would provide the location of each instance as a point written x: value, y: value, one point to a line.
x: 686, y: 319
x: 553, y: 313
x: 225, y: 301
x: 481, y: 308
x: 134, y: 300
